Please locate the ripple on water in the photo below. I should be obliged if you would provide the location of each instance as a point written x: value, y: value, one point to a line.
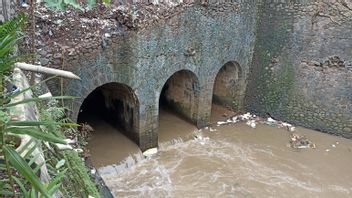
x: 236, y: 161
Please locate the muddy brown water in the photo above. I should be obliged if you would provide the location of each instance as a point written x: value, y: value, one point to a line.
x: 229, y: 161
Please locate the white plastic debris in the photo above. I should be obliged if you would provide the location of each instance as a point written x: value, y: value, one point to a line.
x: 234, y: 119
x: 211, y: 129
x: 251, y: 123
x: 333, y: 145
x: 292, y: 128
x: 220, y: 123
x: 286, y: 124
x: 150, y: 152
x: 271, y: 120
x: 78, y: 150
x: 246, y: 116
x: 69, y: 141
x: 93, y: 171
x: 202, y: 140
x: 45, y: 95
x: 63, y: 146
x: 24, y: 5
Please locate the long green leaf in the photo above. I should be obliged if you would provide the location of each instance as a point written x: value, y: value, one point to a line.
x: 56, y: 181
x: 39, y: 123
x: 6, y: 193
x: 33, y: 193
x: 21, y: 185
x: 28, y: 100
x: 13, y: 95
x: 25, y: 147
x: 22, y: 167
x: 2, y: 184
x: 36, y: 133
x: 37, y: 168
x: 30, y: 151
x: 33, y: 159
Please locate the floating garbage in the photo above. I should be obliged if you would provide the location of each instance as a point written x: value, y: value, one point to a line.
x: 150, y: 152
x: 300, y: 142
x: 221, y: 122
x: 202, y: 140
x: 271, y: 120
x: 250, y: 118
x: 234, y: 119
x: 246, y: 116
x: 251, y: 123
x: 275, y: 123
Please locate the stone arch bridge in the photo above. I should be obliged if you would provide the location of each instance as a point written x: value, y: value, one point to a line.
x: 183, y: 61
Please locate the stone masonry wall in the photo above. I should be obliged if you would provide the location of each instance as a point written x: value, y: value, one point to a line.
x: 200, y: 38
x: 302, y: 65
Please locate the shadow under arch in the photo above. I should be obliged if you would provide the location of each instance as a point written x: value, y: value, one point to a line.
x: 227, y: 88
x: 181, y: 94
x: 115, y: 103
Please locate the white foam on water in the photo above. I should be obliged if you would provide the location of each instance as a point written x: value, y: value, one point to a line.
x: 204, y: 167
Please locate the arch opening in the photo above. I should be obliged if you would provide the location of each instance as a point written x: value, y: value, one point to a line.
x: 112, y: 110
x: 227, y: 91
x: 178, y: 106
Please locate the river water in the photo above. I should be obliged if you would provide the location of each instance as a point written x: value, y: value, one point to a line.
x: 231, y: 160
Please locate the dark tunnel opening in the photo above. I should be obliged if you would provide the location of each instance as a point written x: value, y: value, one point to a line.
x: 178, y: 105
x: 226, y: 92
x: 112, y: 111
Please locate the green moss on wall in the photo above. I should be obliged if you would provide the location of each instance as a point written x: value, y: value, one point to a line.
x: 271, y: 84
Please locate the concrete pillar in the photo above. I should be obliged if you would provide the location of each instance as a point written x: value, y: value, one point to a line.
x: 204, y: 103
x: 148, y: 126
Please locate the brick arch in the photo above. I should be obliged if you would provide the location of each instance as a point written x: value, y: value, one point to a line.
x: 115, y: 103
x: 227, y: 85
x: 181, y: 92
x: 91, y: 78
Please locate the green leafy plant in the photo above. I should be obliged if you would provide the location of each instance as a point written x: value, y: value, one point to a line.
x: 13, y: 159
x: 8, y: 39
x: 18, y: 170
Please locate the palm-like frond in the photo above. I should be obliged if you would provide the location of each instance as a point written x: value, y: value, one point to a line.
x: 8, y: 39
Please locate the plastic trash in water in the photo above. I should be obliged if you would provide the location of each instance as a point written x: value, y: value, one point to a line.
x: 150, y: 152
x: 271, y: 120
x: 220, y: 123
x: 251, y: 123
x: 300, y: 142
